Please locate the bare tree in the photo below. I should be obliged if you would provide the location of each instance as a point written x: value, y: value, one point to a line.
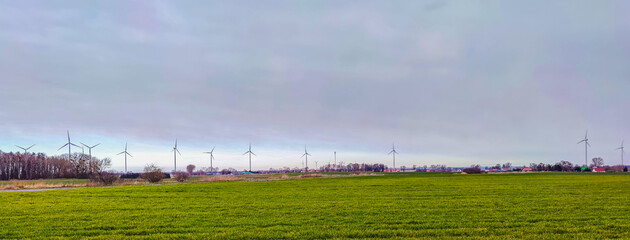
x: 566, y: 166
x: 597, y: 162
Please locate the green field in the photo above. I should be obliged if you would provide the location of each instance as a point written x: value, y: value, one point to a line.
x: 501, y: 206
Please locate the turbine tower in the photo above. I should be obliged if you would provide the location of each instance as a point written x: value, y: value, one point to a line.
x: 586, y: 145
x: 126, y: 153
x: 393, y: 153
x: 175, y: 152
x: 90, y: 149
x: 306, y: 155
x: 211, y: 157
x: 25, y: 149
x: 69, y: 144
x: 250, y: 156
x: 621, y: 148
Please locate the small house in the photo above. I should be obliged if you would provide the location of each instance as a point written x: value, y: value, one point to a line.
x: 599, y: 169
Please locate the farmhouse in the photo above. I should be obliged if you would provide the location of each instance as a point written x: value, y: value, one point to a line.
x: 599, y: 169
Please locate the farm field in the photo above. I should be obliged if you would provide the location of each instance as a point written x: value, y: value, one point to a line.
x: 444, y: 206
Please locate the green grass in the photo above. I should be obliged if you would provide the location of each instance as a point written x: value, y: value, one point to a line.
x: 444, y: 206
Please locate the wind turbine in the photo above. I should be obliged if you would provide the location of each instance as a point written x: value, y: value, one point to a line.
x: 25, y: 149
x: 250, y: 156
x: 211, y: 157
x: 306, y: 155
x: 90, y: 148
x: 126, y: 153
x: 69, y: 144
x: 586, y: 145
x: 175, y: 152
x: 621, y: 148
x: 393, y: 153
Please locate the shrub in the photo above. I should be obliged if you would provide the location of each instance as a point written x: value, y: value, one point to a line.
x: 181, y: 176
x: 472, y: 170
x: 152, y: 173
x: 105, y: 178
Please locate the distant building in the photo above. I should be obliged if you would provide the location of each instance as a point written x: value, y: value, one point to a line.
x: 599, y: 169
x: 527, y: 169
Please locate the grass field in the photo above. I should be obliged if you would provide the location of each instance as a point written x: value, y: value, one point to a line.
x: 506, y: 206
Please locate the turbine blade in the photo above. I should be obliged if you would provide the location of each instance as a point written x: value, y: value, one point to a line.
x: 84, y: 144
x: 245, y: 153
x: 96, y: 145
x: 178, y: 151
x: 34, y: 145
x: 62, y: 147
x: 76, y: 145
x: 128, y: 154
x: 253, y: 154
x: 581, y: 141
x: 588, y: 144
x: 120, y: 153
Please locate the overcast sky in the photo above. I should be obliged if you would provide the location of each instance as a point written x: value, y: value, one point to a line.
x: 450, y: 82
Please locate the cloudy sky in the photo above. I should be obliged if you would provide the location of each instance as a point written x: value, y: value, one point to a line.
x: 450, y: 82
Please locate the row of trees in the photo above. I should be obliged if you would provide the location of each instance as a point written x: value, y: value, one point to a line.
x: 26, y: 166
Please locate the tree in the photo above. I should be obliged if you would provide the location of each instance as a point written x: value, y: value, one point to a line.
x: 152, y: 173
x: 97, y: 171
x: 566, y: 166
x: 190, y: 169
x: 597, y: 162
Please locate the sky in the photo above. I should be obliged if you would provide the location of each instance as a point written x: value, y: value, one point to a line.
x: 447, y: 82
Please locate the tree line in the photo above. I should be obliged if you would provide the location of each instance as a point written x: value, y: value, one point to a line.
x: 28, y: 166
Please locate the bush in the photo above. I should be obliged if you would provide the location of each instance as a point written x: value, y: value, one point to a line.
x: 472, y: 170
x: 152, y: 173
x: 105, y: 178
x: 181, y: 176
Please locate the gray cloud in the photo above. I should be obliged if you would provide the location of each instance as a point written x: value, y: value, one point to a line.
x: 496, y: 80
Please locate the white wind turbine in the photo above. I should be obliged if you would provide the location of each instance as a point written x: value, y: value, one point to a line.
x: 90, y: 148
x: 175, y: 152
x: 586, y: 145
x: 25, y: 149
x: 250, y: 156
x: 126, y: 153
x: 305, y: 155
x: 211, y: 157
x: 69, y: 144
x: 393, y: 153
